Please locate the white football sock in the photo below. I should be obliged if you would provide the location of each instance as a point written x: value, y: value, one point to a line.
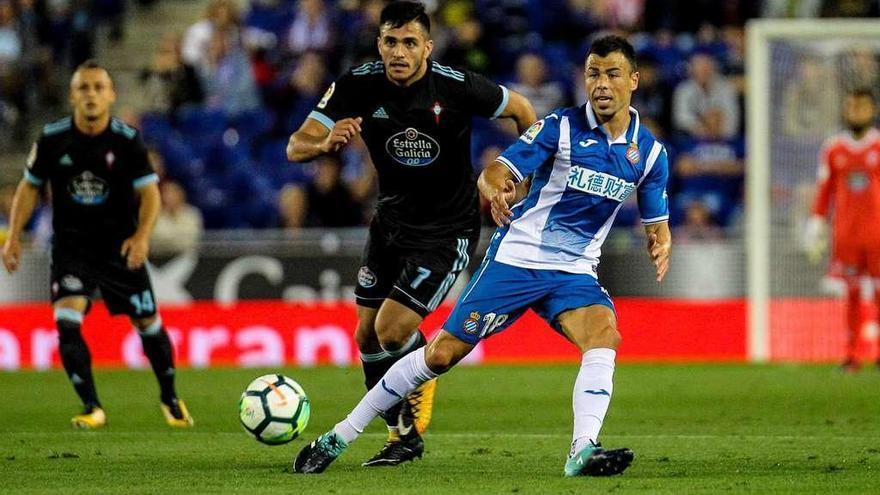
x: 592, y: 395
x: 403, y: 377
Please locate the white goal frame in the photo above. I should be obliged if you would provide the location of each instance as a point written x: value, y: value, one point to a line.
x: 759, y: 33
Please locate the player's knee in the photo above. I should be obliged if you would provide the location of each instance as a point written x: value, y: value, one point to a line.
x: 147, y: 326
x: 606, y: 337
x: 365, y: 335
x: 392, y: 335
x: 68, y: 321
x: 440, y: 358
x: 601, y: 337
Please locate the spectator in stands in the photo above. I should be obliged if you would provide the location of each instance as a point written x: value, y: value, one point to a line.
x: 311, y: 29
x: 360, y: 47
x: 698, y: 225
x: 71, y: 31
x: 111, y: 13
x: 292, y: 207
x: 227, y: 78
x: 851, y: 8
x: 179, y: 225
x: 325, y: 202
x: 12, y: 82
x: 170, y: 83
x: 707, y: 40
x: 466, y: 48
x: 801, y: 120
x: 705, y: 89
x: 299, y: 91
x: 712, y: 166
x: 221, y: 16
x: 7, y: 192
x: 670, y: 59
x: 36, y: 54
x: 787, y: 8
x: 859, y: 69
x: 531, y: 82
x: 619, y: 14
x: 654, y: 96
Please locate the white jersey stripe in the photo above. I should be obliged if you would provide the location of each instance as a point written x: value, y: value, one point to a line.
x: 522, y: 242
x: 652, y: 158
x: 648, y: 221
x: 461, y: 261
x: 515, y: 171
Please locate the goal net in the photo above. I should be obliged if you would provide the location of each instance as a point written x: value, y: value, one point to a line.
x: 798, y: 72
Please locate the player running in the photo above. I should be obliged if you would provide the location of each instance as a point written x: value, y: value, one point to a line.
x: 585, y: 162
x: 98, y: 170
x: 415, y: 118
x: 849, y: 179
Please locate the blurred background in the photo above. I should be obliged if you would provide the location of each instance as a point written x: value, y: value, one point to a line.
x: 247, y: 240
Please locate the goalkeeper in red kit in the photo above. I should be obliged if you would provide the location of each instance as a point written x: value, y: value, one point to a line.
x: 848, y: 192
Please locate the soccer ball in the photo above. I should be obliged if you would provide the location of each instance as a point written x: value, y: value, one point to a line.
x: 274, y: 409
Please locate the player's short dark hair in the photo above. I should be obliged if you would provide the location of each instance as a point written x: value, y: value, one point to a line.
x: 862, y: 92
x: 606, y: 45
x: 400, y: 13
x: 91, y: 64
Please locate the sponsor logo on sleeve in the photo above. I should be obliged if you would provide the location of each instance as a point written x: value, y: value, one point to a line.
x: 71, y: 283
x: 366, y: 277
x: 532, y: 132
x: 327, y: 95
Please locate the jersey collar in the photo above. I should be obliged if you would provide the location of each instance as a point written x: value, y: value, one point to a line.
x: 871, y: 135
x: 632, y: 131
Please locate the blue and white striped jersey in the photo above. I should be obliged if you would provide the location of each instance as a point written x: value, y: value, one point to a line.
x: 581, y: 178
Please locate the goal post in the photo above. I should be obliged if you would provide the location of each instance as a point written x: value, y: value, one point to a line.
x: 771, y: 233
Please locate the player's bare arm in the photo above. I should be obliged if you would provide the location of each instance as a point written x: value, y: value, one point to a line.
x: 497, y: 186
x: 136, y: 248
x: 312, y: 139
x: 23, y: 203
x: 520, y: 110
x: 659, y: 246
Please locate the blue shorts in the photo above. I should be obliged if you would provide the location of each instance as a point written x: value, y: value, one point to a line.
x: 498, y: 294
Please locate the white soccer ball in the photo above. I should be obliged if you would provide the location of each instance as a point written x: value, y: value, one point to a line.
x: 274, y: 409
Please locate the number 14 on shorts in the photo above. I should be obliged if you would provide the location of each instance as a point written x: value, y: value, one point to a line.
x: 143, y: 302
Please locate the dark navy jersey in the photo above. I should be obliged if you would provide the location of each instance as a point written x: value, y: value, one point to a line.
x: 419, y: 138
x: 93, y: 181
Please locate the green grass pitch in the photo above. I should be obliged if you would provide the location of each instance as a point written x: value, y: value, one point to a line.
x: 694, y: 429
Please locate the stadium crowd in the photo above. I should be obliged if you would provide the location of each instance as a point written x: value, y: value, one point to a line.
x: 223, y: 97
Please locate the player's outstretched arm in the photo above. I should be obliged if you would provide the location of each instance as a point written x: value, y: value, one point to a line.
x: 659, y: 246
x: 520, y: 110
x: 136, y: 248
x: 23, y: 204
x: 497, y: 186
x: 313, y: 139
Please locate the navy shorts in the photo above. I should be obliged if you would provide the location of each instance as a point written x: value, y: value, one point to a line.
x: 124, y: 291
x: 417, y: 276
